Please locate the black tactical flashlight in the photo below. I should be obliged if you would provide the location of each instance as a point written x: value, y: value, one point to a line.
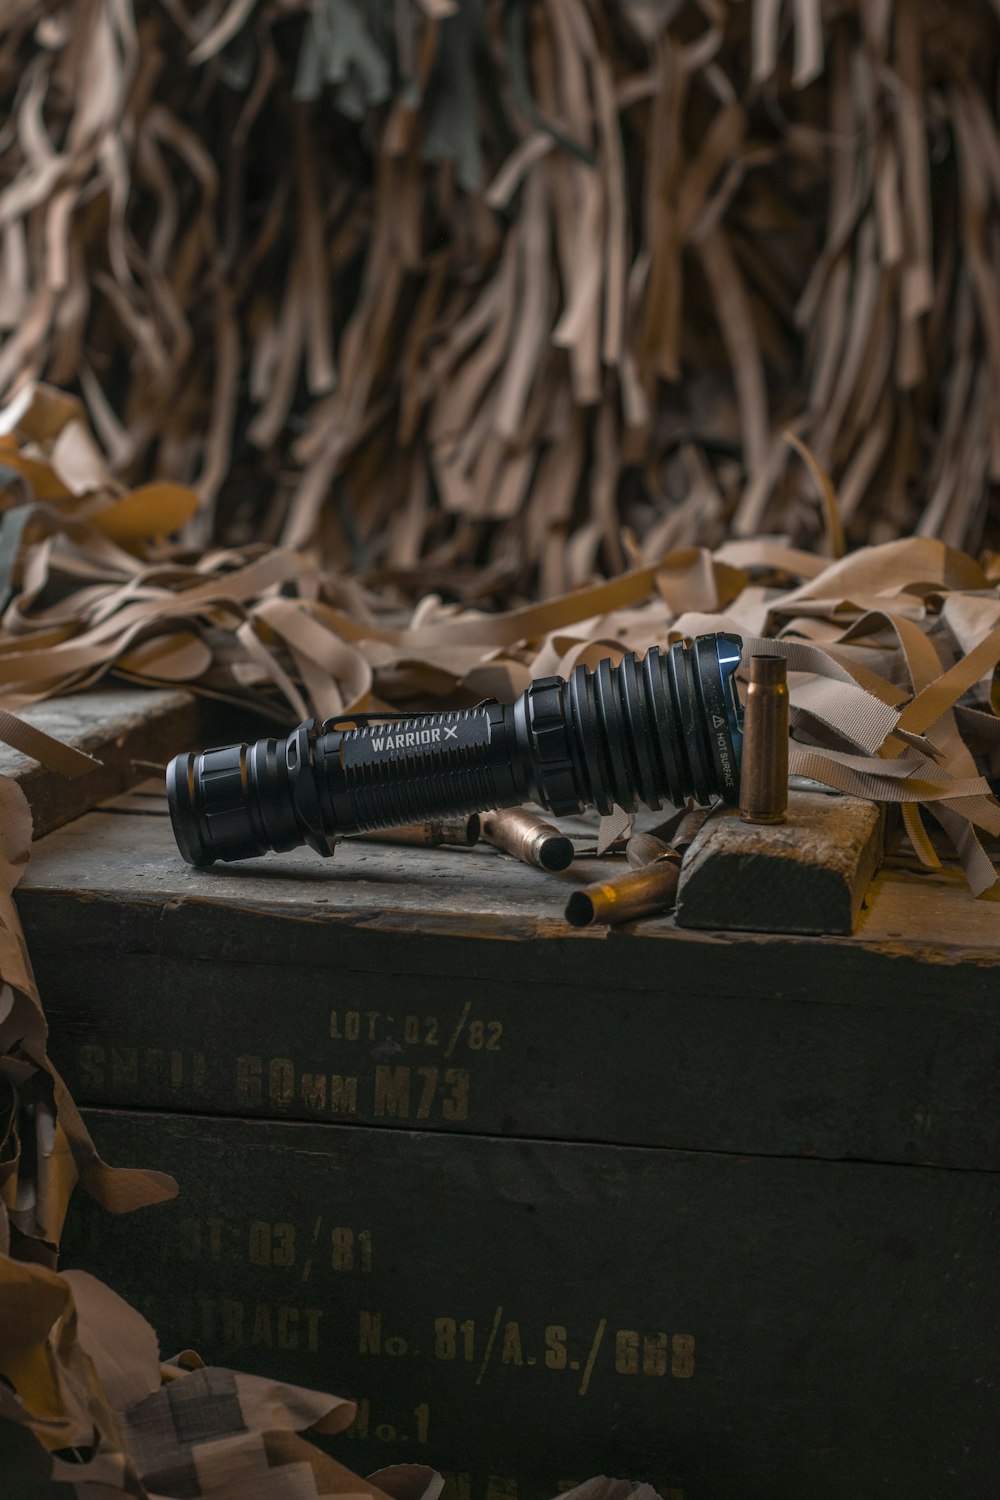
x: 665, y: 726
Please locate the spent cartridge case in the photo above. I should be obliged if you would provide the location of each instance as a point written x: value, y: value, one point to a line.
x: 764, y: 774
x: 639, y: 893
x: 643, y: 848
x: 463, y: 832
x: 529, y: 839
x: 676, y: 834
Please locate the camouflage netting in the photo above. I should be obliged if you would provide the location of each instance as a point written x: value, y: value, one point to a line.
x: 500, y: 296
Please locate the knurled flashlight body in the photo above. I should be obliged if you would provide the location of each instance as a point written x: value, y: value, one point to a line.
x: 663, y: 727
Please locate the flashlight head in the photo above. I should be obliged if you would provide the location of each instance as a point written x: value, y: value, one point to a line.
x: 240, y: 801
x: 716, y: 660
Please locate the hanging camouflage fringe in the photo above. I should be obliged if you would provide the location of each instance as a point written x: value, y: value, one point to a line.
x: 508, y: 294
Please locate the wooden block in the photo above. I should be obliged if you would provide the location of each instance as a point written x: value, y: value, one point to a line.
x: 528, y: 1313
x: 808, y: 874
x: 117, y: 725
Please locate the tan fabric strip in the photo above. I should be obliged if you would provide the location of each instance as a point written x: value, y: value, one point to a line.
x: 862, y: 717
x: 929, y: 705
x: 979, y: 870
x: 859, y: 778
x: 802, y: 657
x: 50, y: 752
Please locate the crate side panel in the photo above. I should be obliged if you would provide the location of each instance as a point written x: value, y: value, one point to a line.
x: 729, y: 1327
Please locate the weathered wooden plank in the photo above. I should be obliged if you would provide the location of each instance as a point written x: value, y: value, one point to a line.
x: 725, y: 1327
x: 808, y: 874
x: 461, y: 891
x: 393, y: 987
x: 118, y: 726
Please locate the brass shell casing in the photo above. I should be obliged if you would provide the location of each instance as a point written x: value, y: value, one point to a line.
x: 463, y: 832
x: 764, y: 775
x: 643, y: 848
x: 527, y: 838
x: 639, y: 893
x: 648, y: 888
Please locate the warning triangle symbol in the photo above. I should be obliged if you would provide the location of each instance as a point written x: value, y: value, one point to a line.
x: 718, y: 721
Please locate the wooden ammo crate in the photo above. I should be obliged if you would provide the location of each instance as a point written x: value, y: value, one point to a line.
x: 719, y: 1211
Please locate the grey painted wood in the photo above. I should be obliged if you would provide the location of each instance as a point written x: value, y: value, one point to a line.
x: 117, y: 725
x: 441, y: 988
x: 808, y: 874
x: 728, y: 1328
x: 469, y: 891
